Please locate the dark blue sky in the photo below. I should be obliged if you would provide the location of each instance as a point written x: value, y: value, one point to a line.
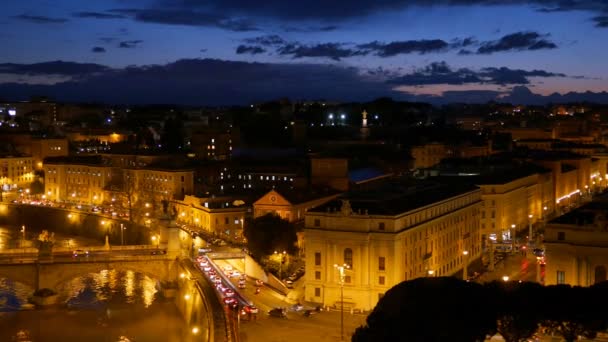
x: 236, y: 51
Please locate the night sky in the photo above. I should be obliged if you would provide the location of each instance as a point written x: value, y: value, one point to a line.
x: 240, y: 51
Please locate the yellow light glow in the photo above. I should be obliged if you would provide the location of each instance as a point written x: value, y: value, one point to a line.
x: 195, y: 330
x: 187, y: 297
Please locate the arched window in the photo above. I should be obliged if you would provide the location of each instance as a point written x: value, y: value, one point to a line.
x: 600, y: 274
x: 348, y: 257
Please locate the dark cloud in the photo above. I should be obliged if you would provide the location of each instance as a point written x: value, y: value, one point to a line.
x: 442, y: 73
x: 340, y: 10
x: 39, y: 19
x: 129, y: 44
x: 519, y: 41
x: 601, y: 21
x: 211, y: 82
x: 98, y: 49
x: 98, y: 15
x: 249, y: 49
x: 405, y: 47
x: 334, y: 51
x: 108, y: 40
x: 188, y: 17
x: 53, y: 68
x: 326, y: 28
x: 267, y: 40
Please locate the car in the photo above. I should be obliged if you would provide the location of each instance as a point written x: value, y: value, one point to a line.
x: 228, y: 292
x: 207, y: 268
x: 229, y: 300
x: 204, y: 262
x: 220, y: 287
x: 217, y: 279
x: 297, y: 307
x: 289, y: 284
x: 228, y: 268
x: 259, y: 283
x: 243, y: 277
x: 242, y: 285
x: 235, y: 274
x: 251, y: 309
x: 277, y: 312
x: 80, y: 253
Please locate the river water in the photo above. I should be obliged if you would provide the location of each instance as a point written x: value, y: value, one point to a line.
x: 107, y: 306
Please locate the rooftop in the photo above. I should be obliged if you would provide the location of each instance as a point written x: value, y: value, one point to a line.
x: 397, y: 197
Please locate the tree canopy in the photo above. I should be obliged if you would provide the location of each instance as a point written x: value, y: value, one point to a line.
x: 269, y: 233
x: 449, y: 309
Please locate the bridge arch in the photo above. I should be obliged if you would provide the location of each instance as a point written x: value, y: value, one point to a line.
x: 53, y: 275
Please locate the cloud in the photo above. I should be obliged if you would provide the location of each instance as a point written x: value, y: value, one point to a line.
x: 129, y: 44
x: 601, y: 21
x: 39, y: 19
x: 325, y: 28
x: 334, y: 51
x: 520, y: 41
x: 405, y: 47
x: 211, y: 82
x: 98, y: 49
x: 267, y: 40
x: 343, y: 10
x: 248, y: 49
x: 53, y: 68
x: 441, y: 73
x: 97, y: 15
x: 188, y: 17
x: 108, y: 40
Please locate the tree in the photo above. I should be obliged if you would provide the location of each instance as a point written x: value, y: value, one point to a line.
x: 269, y: 233
x: 36, y: 188
x: 430, y: 309
x: 517, y: 316
x: 573, y: 311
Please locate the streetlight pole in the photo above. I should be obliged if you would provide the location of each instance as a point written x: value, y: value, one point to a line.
x: 23, y: 236
x: 530, y: 230
x: 342, y: 270
x: 513, y: 238
x: 122, y: 238
x: 465, y: 273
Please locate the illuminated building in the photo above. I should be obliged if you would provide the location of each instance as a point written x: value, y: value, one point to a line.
x: 155, y: 185
x: 577, y: 246
x: 396, y: 233
x: 214, y: 215
x: 77, y: 180
x: 16, y: 172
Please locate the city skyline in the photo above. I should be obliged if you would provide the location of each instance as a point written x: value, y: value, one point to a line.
x: 218, y: 52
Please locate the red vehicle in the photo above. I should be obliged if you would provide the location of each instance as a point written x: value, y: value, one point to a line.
x: 251, y: 309
x: 229, y: 301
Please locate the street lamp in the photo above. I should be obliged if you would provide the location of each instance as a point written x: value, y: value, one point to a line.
x: 530, y: 230
x: 122, y: 236
x: 505, y: 278
x: 430, y: 273
x: 513, y: 238
x: 342, y: 271
x: 281, y: 260
x: 465, y: 273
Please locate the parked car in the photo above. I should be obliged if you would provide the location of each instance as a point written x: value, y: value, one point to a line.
x: 251, y: 309
x: 277, y: 312
x: 259, y: 283
x: 242, y: 285
x: 289, y: 284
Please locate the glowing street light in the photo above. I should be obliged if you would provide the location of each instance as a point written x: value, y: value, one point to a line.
x: 342, y: 271
x: 195, y: 330
x: 430, y: 272
x: 465, y: 273
x: 505, y: 278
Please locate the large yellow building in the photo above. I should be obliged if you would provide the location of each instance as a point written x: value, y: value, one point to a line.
x: 514, y: 199
x: 290, y: 205
x: 577, y: 246
x: 16, y: 172
x: 155, y: 185
x: 386, y: 237
x: 214, y: 215
x: 79, y: 180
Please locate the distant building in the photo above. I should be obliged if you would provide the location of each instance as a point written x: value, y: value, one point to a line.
x: 577, y: 246
x: 16, y: 172
x: 397, y: 233
x: 217, y: 215
x: 79, y: 180
x: 431, y: 154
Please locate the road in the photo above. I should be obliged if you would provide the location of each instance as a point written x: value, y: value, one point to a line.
x: 516, y: 267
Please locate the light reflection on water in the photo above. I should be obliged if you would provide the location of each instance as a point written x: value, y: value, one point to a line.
x: 106, y: 306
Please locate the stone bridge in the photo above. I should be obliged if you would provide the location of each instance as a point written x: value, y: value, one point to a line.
x: 51, y: 274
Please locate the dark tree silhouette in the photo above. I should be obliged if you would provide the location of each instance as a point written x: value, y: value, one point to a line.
x: 430, y: 309
x: 269, y: 233
x: 517, y: 316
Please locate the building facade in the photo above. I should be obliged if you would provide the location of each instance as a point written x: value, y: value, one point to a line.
x: 577, y: 246
x: 16, y: 172
x: 389, y: 237
x: 77, y: 181
x: 213, y: 215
